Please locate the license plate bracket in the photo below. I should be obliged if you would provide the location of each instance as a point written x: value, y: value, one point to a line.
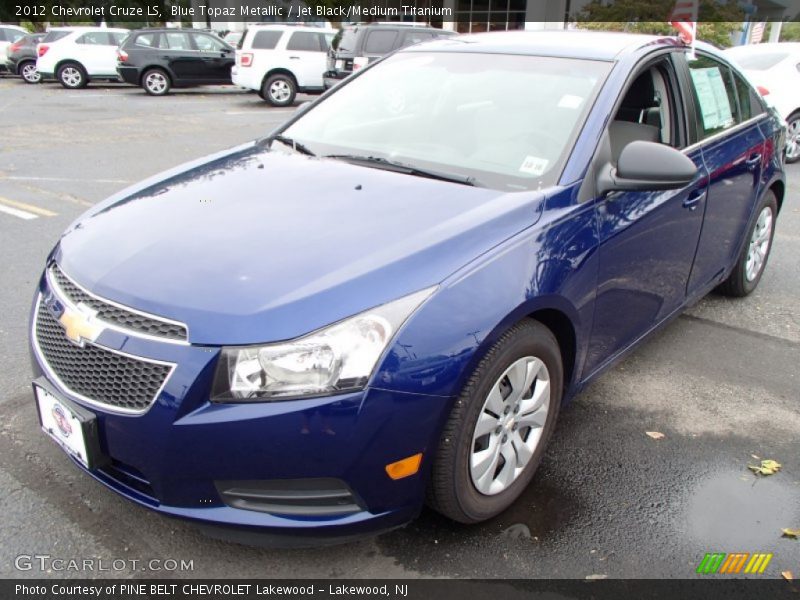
x: 72, y: 427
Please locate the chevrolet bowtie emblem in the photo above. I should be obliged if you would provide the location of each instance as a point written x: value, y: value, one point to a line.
x: 80, y: 324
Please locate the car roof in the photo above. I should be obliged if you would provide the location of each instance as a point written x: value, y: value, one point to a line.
x: 17, y: 27
x: 88, y: 28
x: 594, y: 45
x: 287, y: 27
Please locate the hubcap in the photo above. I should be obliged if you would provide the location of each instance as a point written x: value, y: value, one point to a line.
x: 71, y: 76
x: 29, y: 73
x: 510, y: 425
x: 793, y: 139
x: 156, y: 82
x: 280, y: 91
x: 759, y: 244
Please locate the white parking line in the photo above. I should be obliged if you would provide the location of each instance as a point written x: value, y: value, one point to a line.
x: 27, y: 208
x: 21, y: 214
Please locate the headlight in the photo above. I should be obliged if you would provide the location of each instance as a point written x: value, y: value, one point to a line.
x: 338, y: 358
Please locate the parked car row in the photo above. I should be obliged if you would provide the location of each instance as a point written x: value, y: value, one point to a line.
x: 275, y: 60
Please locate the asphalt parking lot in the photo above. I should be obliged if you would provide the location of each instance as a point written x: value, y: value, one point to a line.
x: 721, y: 383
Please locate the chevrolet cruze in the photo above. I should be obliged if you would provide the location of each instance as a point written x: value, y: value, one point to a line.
x: 386, y: 301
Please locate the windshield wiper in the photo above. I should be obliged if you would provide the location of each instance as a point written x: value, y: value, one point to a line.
x: 378, y: 162
x: 293, y: 144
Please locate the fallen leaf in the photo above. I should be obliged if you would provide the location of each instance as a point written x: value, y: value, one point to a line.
x: 599, y: 576
x: 787, y: 575
x: 767, y: 467
x: 791, y: 533
x: 656, y: 435
x: 756, y: 457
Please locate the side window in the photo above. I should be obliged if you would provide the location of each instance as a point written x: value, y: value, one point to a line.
x: 206, y: 43
x: 380, y: 41
x: 147, y: 40
x: 176, y: 41
x: 11, y: 35
x: 302, y: 41
x: 714, y: 94
x: 265, y: 40
x: 117, y: 38
x: 94, y: 38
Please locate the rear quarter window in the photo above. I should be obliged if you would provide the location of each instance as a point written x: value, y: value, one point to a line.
x: 54, y: 36
x: 303, y: 41
x: 146, y: 40
x: 265, y: 40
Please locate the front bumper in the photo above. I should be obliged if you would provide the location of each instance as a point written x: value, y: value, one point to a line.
x: 172, y: 457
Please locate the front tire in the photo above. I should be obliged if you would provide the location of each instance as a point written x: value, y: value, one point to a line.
x: 27, y: 70
x: 793, y: 137
x: 279, y: 90
x: 753, y: 260
x: 72, y: 76
x: 156, y: 82
x: 497, y: 431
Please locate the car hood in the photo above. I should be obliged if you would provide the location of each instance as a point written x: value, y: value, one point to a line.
x: 253, y: 246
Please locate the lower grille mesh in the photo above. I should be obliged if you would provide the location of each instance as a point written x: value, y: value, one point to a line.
x: 95, y: 373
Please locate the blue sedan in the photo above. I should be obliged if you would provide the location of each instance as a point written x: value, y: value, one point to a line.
x: 387, y: 301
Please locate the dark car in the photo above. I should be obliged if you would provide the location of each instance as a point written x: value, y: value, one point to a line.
x: 388, y: 299
x: 355, y: 46
x: 22, y: 58
x: 159, y: 59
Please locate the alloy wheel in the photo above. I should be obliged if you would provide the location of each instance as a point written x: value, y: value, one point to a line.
x: 280, y: 91
x: 510, y: 425
x: 156, y: 82
x: 30, y: 74
x: 71, y: 77
x: 759, y: 244
x: 793, y: 139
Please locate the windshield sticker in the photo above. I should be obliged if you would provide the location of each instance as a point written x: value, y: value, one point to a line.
x: 534, y: 165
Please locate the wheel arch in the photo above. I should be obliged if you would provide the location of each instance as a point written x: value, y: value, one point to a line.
x: 778, y: 187
x: 65, y: 61
x: 278, y: 71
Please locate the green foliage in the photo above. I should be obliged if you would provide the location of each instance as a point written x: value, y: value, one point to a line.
x: 790, y: 32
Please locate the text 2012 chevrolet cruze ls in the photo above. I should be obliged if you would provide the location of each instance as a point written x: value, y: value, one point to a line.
x: 387, y: 301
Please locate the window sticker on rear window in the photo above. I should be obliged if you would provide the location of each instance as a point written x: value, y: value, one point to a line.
x: 533, y: 165
x: 715, y: 106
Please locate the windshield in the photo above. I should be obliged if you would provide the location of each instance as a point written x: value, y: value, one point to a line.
x: 503, y: 121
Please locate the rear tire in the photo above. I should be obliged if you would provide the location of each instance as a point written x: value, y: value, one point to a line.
x: 72, y: 76
x: 502, y: 420
x: 279, y: 90
x: 753, y: 260
x: 156, y: 82
x: 793, y: 137
x: 27, y: 70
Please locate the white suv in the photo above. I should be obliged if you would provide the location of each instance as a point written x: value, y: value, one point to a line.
x: 76, y: 55
x: 280, y: 60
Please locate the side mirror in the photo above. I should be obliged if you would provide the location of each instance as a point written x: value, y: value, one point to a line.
x: 647, y: 166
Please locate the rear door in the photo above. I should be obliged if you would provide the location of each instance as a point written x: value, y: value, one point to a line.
x: 732, y: 144
x: 181, y: 56
x: 306, y: 52
x: 217, y: 57
x: 97, y: 52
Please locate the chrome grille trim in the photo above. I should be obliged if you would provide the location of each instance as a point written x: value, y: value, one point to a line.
x: 40, y: 357
x: 179, y: 332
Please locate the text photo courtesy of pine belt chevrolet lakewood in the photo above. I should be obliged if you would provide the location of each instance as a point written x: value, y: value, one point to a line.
x: 387, y: 301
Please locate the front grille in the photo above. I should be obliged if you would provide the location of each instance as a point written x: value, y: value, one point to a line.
x: 116, y: 315
x: 97, y: 374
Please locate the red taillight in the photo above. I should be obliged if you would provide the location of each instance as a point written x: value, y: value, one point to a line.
x: 42, y: 49
x: 762, y: 90
x: 15, y: 47
x: 246, y: 59
x: 122, y: 56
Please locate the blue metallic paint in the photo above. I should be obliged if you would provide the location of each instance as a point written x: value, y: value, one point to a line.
x: 246, y: 254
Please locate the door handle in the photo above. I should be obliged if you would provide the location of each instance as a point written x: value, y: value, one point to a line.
x: 693, y: 200
x: 753, y: 161
x: 294, y: 58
